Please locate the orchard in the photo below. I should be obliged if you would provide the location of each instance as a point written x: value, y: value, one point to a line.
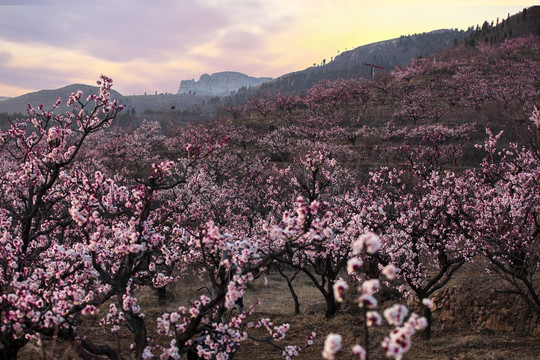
x: 364, y: 187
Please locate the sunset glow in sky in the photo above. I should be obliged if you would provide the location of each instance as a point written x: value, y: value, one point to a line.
x: 149, y: 46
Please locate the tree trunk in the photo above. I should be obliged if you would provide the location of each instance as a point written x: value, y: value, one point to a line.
x: 331, y: 305
x: 295, y: 297
x: 427, y: 314
x: 10, y: 352
x: 161, y: 295
x: 140, y: 335
x: 291, y: 288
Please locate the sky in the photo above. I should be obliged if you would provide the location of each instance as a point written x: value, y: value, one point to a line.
x: 148, y: 46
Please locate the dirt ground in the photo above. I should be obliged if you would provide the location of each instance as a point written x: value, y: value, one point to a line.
x: 453, y: 339
x: 471, y: 321
x: 444, y: 345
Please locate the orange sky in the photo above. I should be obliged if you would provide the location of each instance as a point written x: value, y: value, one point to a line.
x: 149, y: 47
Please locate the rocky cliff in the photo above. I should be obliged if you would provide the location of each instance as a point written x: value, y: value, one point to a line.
x: 219, y: 84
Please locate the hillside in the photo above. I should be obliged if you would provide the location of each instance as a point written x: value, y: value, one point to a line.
x: 200, y: 99
x: 20, y: 103
x: 183, y: 108
x: 402, y: 51
x: 390, y: 53
x: 400, y: 194
x: 387, y: 54
x: 397, y: 52
x: 525, y: 22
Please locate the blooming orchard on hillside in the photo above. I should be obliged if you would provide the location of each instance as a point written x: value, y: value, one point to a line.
x: 360, y: 185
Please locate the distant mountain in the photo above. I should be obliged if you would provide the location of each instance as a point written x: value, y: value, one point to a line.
x: 137, y: 107
x: 199, y: 97
x: 219, y: 84
x: 2, y: 98
x: 387, y: 54
x: 48, y: 98
x: 397, y: 52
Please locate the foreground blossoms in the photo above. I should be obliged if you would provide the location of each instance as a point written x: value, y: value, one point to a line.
x: 399, y: 340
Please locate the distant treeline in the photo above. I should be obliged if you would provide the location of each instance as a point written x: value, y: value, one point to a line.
x: 525, y: 22
x: 5, y: 118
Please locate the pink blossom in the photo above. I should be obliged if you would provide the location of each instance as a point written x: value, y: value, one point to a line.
x: 535, y: 117
x: 371, y: 286
x: 147, y: 354
x: 373, y: 318
x: 174, y: 317
x: 393, y: 349
x: 368, y: 242
x: 396, y: 314
x: 389, y: 271
x: 340, y: 286
x: 353, y: 265
x: 332, y: 345
x: 290, y: 351
x: 359, y: 351
x: 368, y: 301
x: 421, y: 323
x: 427, y: 303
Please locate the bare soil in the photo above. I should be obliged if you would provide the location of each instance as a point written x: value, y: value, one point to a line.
x: 462, y: 335
x: 472, y: 320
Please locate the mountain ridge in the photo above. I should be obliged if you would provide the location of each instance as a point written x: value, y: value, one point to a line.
x: 348, y: 64
x: 48, y: 97
x: 387, y: 54
x: 220, y: 84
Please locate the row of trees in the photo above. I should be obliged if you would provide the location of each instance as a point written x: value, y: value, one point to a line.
x: 90, y: 215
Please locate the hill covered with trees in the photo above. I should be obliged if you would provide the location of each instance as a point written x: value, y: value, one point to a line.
x: 380, y: 192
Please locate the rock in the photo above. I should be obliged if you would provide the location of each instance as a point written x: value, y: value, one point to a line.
x: 487, y: 310
x: 219, y: 84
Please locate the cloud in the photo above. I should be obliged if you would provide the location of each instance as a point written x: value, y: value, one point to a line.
x: 29, y: 80
x: 116, y: 31
x: 126, y: 30
x: 164, y: 40
x: 5, y: 57
x: 45, y: 43
x: 242, y: 42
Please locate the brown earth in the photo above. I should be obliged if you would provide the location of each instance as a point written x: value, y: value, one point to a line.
x: 473, y: 319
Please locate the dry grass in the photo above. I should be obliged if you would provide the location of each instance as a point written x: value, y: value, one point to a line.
x: 453, y: 341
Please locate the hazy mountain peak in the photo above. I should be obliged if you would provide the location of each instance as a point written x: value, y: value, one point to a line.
x: 219, y: 84
x: 48, y: 98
